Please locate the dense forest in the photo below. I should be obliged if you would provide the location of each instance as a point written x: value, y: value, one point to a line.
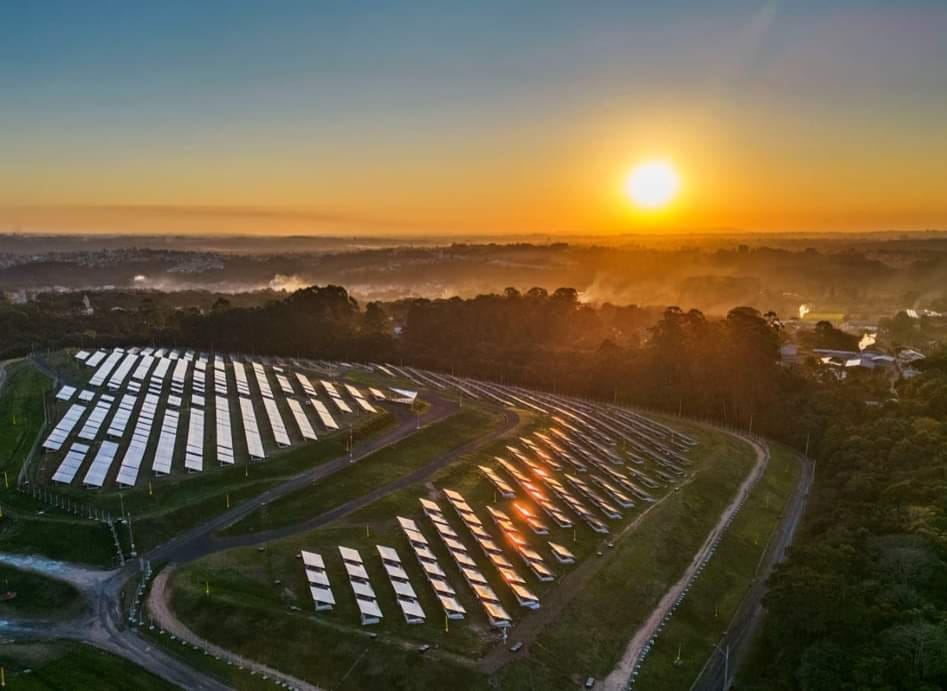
x: 862, y: 600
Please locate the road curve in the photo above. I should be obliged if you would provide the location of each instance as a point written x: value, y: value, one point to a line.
x: 163, y: 615
x: 618, y: 679
x: 97, y: 625
x: 718, y: 673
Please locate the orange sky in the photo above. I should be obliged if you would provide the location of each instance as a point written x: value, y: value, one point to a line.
x: 777, y: 117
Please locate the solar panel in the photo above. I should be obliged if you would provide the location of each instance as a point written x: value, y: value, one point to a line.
x: 71, y: 463
x: 122, y: 415
x: 324, y: 415
x: 105, y: 368
x: 160, y: 374
x: 90, y: 429
x: 179, y: 375
x: 220, y: 376
x: 330, y: 388
x: 144, y: 366
x: 342, y: 405
x: 121, y: 372
x: 94, y: 359
x: 135, y: 453
x: 95, y: 476
x: 240, y: 374
x: 306, y: 384
x: 167, y: 438
x: 250, y: 429
x: 355, y: 393
x: 302, y: 422
x: 194, y: 451
x: 82, y: 355
x: 276, y: 422
x: 284, y: 384
x: 262, y: 381
x: 318, y: 581
x: 224, y: 432
x: 365, y: 405
x: 65, y: 393
x: 358, y: 579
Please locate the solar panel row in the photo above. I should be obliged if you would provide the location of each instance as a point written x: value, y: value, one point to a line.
x: 302, y: 422
x: 251, y: 429
x: 361, y: 586
x: 71, y: 463
x: 167, y: 438
x: 225, y: 455
x: 135, y: 453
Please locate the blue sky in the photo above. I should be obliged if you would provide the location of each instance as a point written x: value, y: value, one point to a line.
x: 449, y: 114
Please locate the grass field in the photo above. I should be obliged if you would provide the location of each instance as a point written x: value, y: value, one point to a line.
x: 37, y: 595
x: 21, y: 416
x: 707, y: 610
x: 594, y: 628
x: 29, y: 526
x: 69, y: 666
x: 385, y: 465
x: 252, y: 590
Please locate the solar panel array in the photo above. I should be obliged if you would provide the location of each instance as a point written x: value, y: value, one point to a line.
x: 177, y: 383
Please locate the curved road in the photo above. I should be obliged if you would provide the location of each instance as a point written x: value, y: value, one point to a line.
x: 720, y: 669
x: 618, y: 679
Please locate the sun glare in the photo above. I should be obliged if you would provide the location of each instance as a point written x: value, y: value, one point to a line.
x: 653, y: 184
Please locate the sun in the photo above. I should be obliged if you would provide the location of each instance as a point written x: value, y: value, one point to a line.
x: 653, y: 184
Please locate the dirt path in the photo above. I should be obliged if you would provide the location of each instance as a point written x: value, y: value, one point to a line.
x: 157, y: 605
x: 618, y: 679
